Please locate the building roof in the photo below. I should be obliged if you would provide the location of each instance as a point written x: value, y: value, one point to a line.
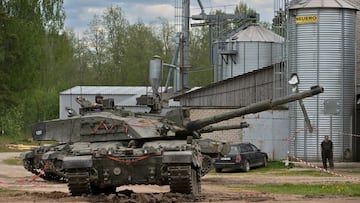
x: 219, y: 83
x: 298, y: 4
x: 132, y: 92
x: 256, y: 33
x: 107, y: 90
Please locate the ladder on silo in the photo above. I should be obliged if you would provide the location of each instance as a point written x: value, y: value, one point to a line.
x: 178, y: 15
x: 280, y: 27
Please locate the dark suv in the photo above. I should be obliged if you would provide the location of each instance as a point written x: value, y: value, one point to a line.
x: 242, y: 156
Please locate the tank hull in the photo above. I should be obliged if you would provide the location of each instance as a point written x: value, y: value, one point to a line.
x: 111, y: 164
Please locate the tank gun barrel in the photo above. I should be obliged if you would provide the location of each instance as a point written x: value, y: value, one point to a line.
x: 253, y: 108
x: 209, y: 129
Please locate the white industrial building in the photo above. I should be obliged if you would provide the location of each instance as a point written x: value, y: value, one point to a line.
x: 124, y: 96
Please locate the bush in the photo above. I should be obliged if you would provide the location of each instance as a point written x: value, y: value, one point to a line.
x: 12, y: 121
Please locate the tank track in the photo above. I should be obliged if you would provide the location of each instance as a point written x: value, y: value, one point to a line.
x: 29, y: 166
x: 52, y: 177
x: 184, y: 179
x: 78, y: 182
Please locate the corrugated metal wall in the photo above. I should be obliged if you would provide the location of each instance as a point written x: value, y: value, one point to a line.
x: 250, y: 56
x: 234, y: 92
x: 260, y: 48
x: 356, y: 140
x: 323, y: 53
x: 356, y: 3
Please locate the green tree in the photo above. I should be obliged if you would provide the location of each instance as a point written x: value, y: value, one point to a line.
x: 250, y: 14
x: 242, y: 8
x: 117, y: 27
x: 166, y: 33
x: 141, y: 45
x: 202, y: 72
x: 31, y: 52
x: 95, y: 37
x: 5, y: 93
x: 279, y: 23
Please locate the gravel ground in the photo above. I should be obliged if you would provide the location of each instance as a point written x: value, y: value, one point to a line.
x: 214, y: 189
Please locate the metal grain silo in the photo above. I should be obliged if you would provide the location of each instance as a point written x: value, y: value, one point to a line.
x: 322, y: 52
x: 250, y: 49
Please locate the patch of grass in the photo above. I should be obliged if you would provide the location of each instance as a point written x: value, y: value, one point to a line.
x: 274, y: 165
x: 279, y: 168
x: 4, y: 190
x: 6, y: 140
x: 276, y: 168
x: 309, y: 172
x: 13, y: 161
x: 343, y: 189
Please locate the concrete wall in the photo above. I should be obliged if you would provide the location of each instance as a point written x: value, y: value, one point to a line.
x: 227, y: 135
x: 269, y: 130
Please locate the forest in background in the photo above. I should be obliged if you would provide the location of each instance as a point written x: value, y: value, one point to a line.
x: 39, y: 59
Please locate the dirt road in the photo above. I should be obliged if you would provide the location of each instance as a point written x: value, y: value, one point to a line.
x: 18, y: 185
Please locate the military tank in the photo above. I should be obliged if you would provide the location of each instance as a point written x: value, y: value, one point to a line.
x: 104, y: 148
x: 46, y: 160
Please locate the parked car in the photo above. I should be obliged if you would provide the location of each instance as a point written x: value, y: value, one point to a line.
x: 241, y: 156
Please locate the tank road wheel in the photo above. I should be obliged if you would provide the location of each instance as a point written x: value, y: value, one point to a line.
x: 29, y: 165
x: 51, y: 177
x: 78, y: 182
x: 206, y: 165
x: 184, y: 179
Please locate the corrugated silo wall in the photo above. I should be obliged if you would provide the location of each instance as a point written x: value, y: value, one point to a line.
x: 356, y: 3
x: 356, y: 140
x: 250, y: 56
x: 322, y: 52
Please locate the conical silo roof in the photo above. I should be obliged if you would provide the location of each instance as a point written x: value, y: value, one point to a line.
x: 298, y: 4
x: 256, y: 33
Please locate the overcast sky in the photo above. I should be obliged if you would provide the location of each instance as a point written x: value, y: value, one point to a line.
x: 80, y: 12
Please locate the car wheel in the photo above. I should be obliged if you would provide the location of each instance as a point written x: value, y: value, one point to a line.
x: 265, y: 162
x: 218, y: 170
x: 246, y: 166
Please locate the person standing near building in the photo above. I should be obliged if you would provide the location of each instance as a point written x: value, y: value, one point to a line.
x: 327, y: 152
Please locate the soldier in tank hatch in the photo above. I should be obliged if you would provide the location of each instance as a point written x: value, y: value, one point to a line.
x: 99, y: 99
x: 98, y: 102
